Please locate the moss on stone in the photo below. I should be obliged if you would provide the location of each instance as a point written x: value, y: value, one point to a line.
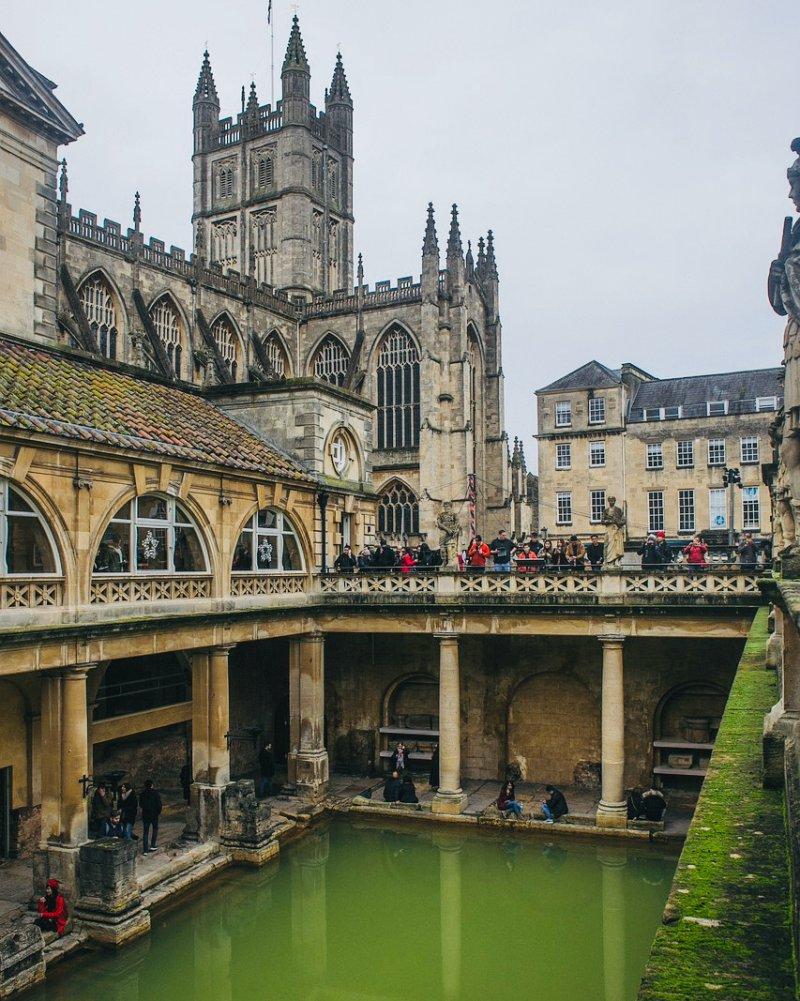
x: 733, y: 871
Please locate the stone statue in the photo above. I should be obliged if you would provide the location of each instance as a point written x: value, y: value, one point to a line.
x: 614, y: 520
x: 783, y: 288
x: 450, y: 528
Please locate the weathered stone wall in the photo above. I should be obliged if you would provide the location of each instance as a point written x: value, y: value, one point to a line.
x: 158, y: 755
x: 259, y: 687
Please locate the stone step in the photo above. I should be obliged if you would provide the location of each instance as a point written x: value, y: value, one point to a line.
x: 164, y: 865
x: 59, y: 948
x: 185, y: 878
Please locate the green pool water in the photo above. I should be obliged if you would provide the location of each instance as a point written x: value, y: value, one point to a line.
x: 360, y: 912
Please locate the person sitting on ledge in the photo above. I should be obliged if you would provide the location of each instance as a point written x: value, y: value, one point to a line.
x: 391, y: 790
x: 635, y: 804
x: 507, y: 801
x: 408, y: 792
x: 654, y: 804
x: 555, y: 805
x: 52, y: 909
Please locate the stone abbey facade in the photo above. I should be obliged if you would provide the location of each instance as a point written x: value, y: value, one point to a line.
x: 265, y: 310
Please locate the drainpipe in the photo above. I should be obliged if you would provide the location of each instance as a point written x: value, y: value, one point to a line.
x: 322, y: 500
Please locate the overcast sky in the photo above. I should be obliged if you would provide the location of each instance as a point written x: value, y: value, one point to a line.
x: 630, y: 156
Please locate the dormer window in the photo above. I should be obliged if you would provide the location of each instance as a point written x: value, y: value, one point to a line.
x: 716, y: 408
x: 766, y: 403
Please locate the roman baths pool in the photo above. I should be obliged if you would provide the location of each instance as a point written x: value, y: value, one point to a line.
x: 366, y: 910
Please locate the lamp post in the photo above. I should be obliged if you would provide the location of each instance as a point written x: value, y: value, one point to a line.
x: 322, y: 500
x: 731, y: 478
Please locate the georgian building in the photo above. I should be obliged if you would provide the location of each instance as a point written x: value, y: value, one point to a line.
x: 660, y: 446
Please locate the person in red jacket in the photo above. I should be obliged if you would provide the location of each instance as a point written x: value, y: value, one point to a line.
x: 52, y: 909
x: 477, y: 554
x: 407, y: 561
x: 696, y: 553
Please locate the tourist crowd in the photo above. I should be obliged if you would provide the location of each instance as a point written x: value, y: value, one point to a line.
x: 532, y: 554
x: 114, y: 813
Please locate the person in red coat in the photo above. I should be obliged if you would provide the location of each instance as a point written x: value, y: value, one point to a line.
x: 407, y: 561
x: 696, y: 553
x: 52, y: 909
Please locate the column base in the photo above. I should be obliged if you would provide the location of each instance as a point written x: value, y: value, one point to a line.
x: 113, y: 932
x: 310, y: 770
x: 612, y: 815
x: 450, y: 802
x: 204, y: 815
x: 246, y: 831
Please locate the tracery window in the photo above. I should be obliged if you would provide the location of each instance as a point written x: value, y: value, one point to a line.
x: 333, y: 181
x: 268, y: 543
x: 97, y: 301
x: 167, y: 323
x: 331, y: 361
x: 398, y: 391
x: 225, y: 243
x: 278, y: 363
x: 225, y: 182
x: 150, y: 535
x: 26, y: 543
x: 316, y: 170
x: 398, y: 511
x: 262, y: 243
x: 227, y: 342
x: 266, y: 172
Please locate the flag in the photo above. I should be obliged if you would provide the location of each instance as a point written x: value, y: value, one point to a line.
x: 269, y: 12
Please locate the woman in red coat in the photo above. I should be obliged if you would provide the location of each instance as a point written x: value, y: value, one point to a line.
x: 52, y: 909
x: 407, y: 561
x: 696, y: 553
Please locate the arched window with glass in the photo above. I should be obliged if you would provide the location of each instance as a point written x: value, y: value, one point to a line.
x: 268, y: 544
x: 331, y: 360
x: 27, y: 547
x: 276, y: 356
x: 398, y: 510
x: 152, y: 534
x: 97, y: 301
x: 398, y: 391
x: 168, y: 326
x: 227, y: 341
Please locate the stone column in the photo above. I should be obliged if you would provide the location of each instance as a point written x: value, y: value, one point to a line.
x: 210, y: 754
x: 450, y: 798
x: 783, y: 720
x: 65, y: 762
x: 612, y: 811
x: 308, y: 759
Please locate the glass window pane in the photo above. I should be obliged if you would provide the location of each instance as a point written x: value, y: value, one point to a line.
x: 243, y: 554
x: 151, y: 548
x: 28, y: 548
x: 113, y: 554
x: 124, y: 513
x: 267, y: 552
x: 188, y: 556
x: 181, y: 517
x: 17, y: 503
x: 291, y: 554
x: 267, y: 518
x: 152, y: 507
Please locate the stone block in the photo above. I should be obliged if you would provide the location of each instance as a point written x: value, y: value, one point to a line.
x: 246, y: 830
x: 21, y: 959
x: 449, y: 803
x: 56, y: 862
x: 109, y: 907
x: 204, y: 816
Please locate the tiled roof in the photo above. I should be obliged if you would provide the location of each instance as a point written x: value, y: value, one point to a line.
x: 592, y: 375
x: 44, y: 390
x: 689, y: 390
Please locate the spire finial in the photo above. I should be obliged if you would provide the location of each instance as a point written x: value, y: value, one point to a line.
x: 295, y: 51
x: 430, y: 245
x: 454, y: 247
x: 470, y: 260
x: 137, y: 213
x: 339, y: 90
x: 360, y: 271
x: 63, y: 183
x: 252, y: 100
x: 206, y: 89
x: 491, y: 263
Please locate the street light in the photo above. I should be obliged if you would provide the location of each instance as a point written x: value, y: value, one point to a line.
x: 731, y: 478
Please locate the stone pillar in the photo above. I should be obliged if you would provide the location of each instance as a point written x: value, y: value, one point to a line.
x: 247, y: 831
x: 613, y: 877
x: 210, y: 755
x: 782, y: 722
x: 450, y: 798
x: 110, y: 904
x: 612, y: 811
x: 65, y: 762
x: 308, y: 759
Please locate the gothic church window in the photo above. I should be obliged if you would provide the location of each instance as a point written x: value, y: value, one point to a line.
x: 333, y: 181
x: 224, y: 243
x: 262, y: 244
x: 398, y: 511
x: 97, y: 300
x: 150, y: 535
x: 228, y: 343
x: 225, y: 182
x: 268, y: 543
x: 26, y: 544
x: 276, y: 356
x: 168, y: 326
x: 331, y: 361
x: 398, y: 391
x: 316, y: 171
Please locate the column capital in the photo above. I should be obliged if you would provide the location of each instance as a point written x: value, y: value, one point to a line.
x: 612, y: 639
x: 447, y: 634
x: 218, y: 648
x: 76, y: 671
x: 314, y: 636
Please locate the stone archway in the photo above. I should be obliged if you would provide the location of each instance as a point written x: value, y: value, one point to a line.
x: 553, y: 728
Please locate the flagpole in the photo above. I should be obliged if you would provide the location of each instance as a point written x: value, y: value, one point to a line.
x: 271, y: 55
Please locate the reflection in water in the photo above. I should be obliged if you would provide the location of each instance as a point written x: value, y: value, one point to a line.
x: 361, y: 912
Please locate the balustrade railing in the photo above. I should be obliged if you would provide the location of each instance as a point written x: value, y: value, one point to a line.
x: 247, y: 585
x: 31, y: 592
x: 108, y: 590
